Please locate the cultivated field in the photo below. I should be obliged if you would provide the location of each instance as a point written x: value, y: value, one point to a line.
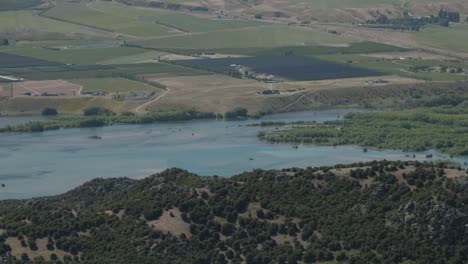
x: 289, y: 67
x: 87, y: 43
x: 37, y: 88
x: 453, y: 38
x: 176, y: 20
x: 18, y: 4
x: 260, y: 37
x: 145, y: 57
x: 25, y: 24
x: 77, y: 55
x: 113, y: 85
x: 84, y: 15
x: 17, y: 61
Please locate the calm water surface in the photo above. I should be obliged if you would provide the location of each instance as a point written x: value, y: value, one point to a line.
x: 37, y: 164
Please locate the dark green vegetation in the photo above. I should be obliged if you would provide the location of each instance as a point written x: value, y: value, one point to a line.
x: 34, y: 69
x: 415, y: 23
x: 238, y: 113
x: 6, y: 5
x: 354, y: 48
x: 16, y: 61
x: 48, y: 111
x: 98, y: 117
x: 444, y: 128
x: 296, y: 68
x: 377, y: 212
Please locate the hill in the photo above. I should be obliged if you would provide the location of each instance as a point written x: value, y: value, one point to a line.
x: 377, y: 212
x: 311, y: 10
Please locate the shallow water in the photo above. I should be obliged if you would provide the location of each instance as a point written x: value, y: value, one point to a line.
x: 37, y: 164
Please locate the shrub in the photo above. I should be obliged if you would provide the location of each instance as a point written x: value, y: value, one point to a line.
x: 36, y: 127
x: 49, y: 111
x: 237, y: 113
x: 97, y: 111
x: 92, y: 123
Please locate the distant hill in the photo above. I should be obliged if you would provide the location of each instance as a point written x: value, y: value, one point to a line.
x: 313, y: 10
x: 377, y: 212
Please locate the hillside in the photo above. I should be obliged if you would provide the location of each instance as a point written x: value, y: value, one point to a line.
x: 380, y: 211
x: 310, y: 10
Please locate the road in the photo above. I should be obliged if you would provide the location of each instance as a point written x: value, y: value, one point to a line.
x: 296, y: 101
x: 142, y: 106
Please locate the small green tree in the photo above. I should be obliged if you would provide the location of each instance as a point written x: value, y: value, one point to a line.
x: 48, y: 111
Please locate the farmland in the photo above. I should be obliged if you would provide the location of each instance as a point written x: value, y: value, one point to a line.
x: 6, y: 5
x: 84, y: 56
x: 290, y: 67
x: 36, y: 88
x: 82, y: 15
x: 211, y: 93
x: 453, y: 38
x: 113, y: 85
x: 260, y: 37
x: 178, y: 21
x: 80, y: 72
x: 109, y: 47
x: 28, y: 25
x: 15, y: 61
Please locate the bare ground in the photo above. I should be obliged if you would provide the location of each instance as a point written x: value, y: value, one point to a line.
x: 17, y: 249
x: 172, y: 224
x: 36, y: 88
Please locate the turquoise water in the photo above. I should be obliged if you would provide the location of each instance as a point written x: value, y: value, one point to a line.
x: 37, y: 164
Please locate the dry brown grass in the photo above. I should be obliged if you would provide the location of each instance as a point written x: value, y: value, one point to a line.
x: 172, y: 224
x: 74, y: 105
x: 213, y: 93
x: 17, y: 250
x: 219, y: 93
x: 344, y: 83
x: 36, y: 88
x: 408, y: 54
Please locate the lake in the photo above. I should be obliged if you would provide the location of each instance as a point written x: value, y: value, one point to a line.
x: 53, y: 162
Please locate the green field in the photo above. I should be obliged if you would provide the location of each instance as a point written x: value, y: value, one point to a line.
x: 454, y: 38
x: 398, y: 67
x: 77, y: 56
x: 133, y: 58
x: 181, y: 21
x: 272, y: 36
x: 113, y: 85
x: 352, y: 48
x: 154, y: 69
x: 27, y: 24
x: 85, y: 15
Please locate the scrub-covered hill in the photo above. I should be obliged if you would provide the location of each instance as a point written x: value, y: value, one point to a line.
x: 378, y: 212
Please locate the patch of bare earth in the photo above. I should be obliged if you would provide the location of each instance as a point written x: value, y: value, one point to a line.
x: 119, y: 214
x: 454, y: 173
x: 345, y: 172
x: 171, y: 222
x: 17, y: 249
x: 401, y: 180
